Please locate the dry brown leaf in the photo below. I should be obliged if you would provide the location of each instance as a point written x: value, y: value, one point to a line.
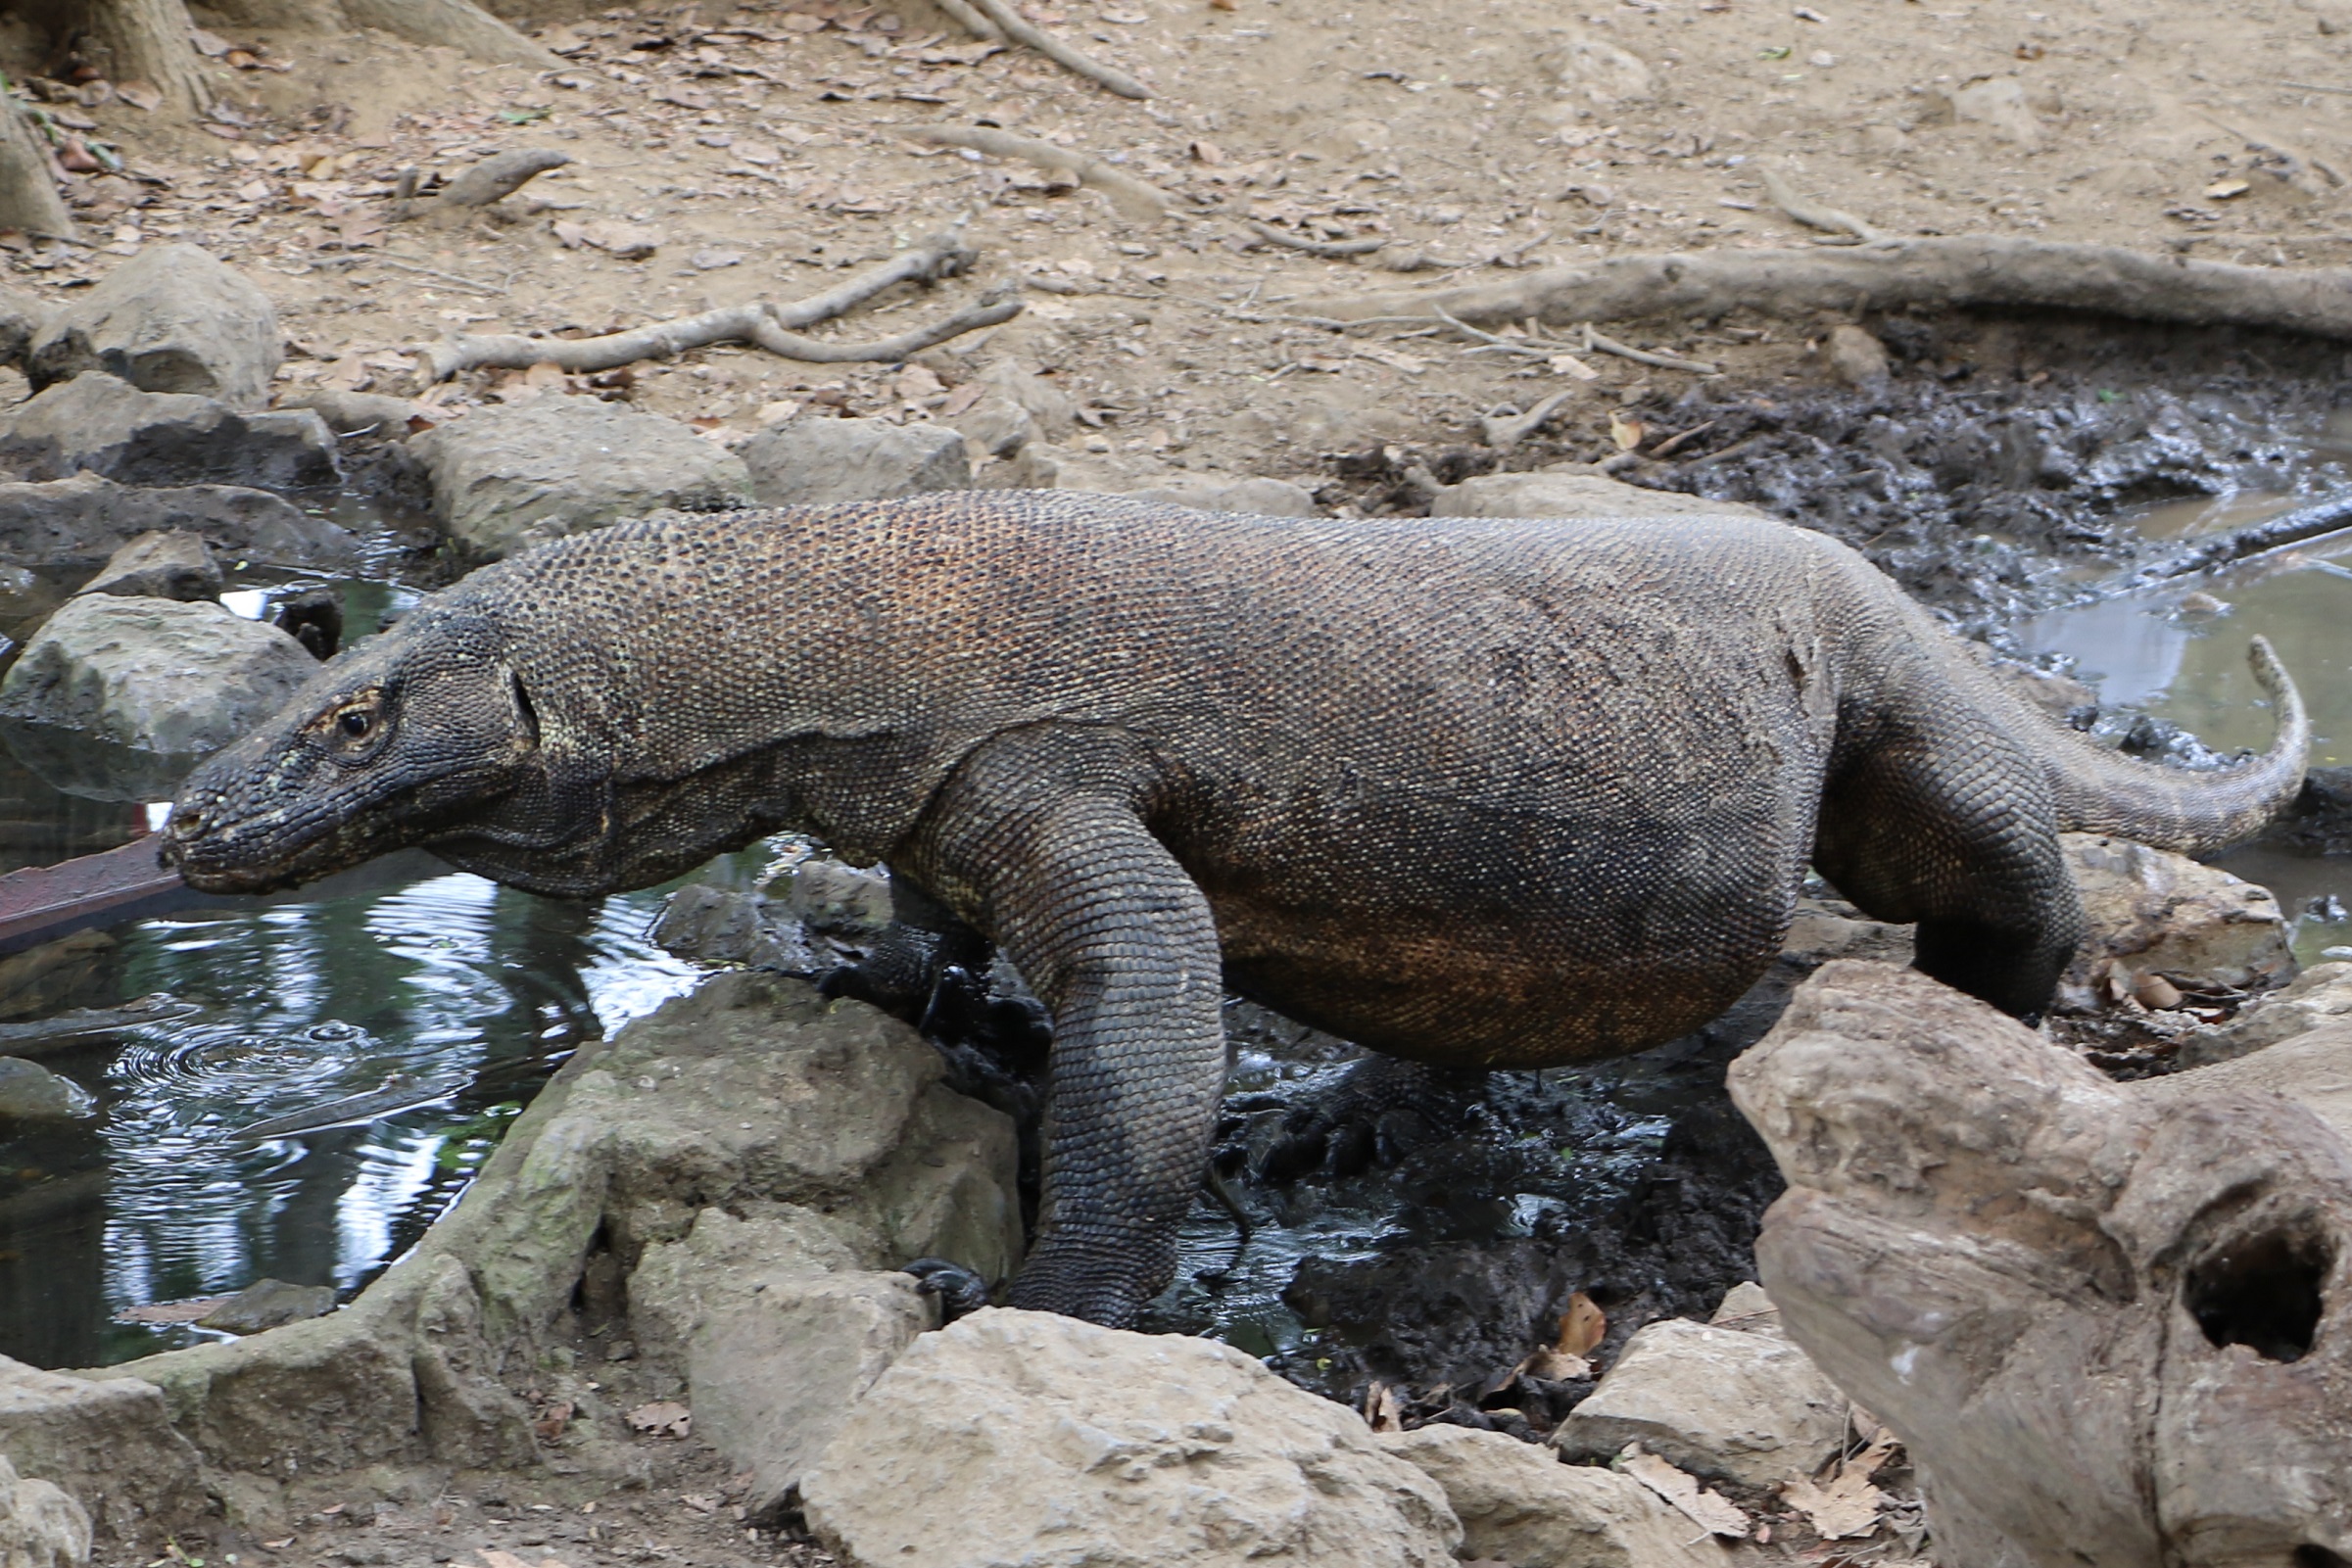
x: 1626, y: 433
x: 1847, y: 1507
x: 1569, y: 366
x: 551, y: 1421
x: 625, y: 242
x: 663, y: 1418
x: 1709, y: 1511
x: 1207, y: 153
x: 1582, y: 1327
x: 1382, y: 1409
x: 139, y: 95
x: 1555, y: 1367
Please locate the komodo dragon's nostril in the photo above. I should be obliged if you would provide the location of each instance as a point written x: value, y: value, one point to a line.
x: 186, y: 823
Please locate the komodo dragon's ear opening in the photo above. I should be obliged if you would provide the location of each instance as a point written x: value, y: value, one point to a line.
x: 523, y: 708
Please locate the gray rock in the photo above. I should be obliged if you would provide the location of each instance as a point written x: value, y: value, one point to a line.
x: 1718, y: 1402
x: 1550, y: 492
x: 725, y: 926
x: 777, y: 1332
x: 2321, y: 996
x: 110, y: 1445
x: 1053, y: 411
x: 97, y: 424
x: 833, y: 896
x: 1517, y: 1503
x: 269, y: 1304
x: 2152, y: 914
x: 41, y: 1527
x: 507, y: 478
x: 814, y: 462
x: 167, y: 681
x: 994, y: 426
x: 1012, y: 1437
x: 1855, y: 358
x: 169, y: 319
x: 174, y: 566
x: 2313, y: 1069
x: 81, y: 520
x: 31, y: 1092
x: 1263, y: 497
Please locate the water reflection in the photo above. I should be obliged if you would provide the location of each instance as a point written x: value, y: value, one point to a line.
x: 473, y: 990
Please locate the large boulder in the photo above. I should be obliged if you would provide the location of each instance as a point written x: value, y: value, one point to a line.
x: 507, y: 478
x: 2154, y: 915
x: 98, y: 425
x: 1727, y: 1404
x: 1550, y: 493
x: 167, y: 683
x: 811, y: 462
x: 108, y: 1445
x: 169, y: 319
x: 1026, y: 1438
x: 83, y: 519
x: 753, y: 1095
x: 1518, y: 1505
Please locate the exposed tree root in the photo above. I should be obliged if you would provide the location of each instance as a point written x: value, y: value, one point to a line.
x: 1821, y: 216
x: 769, y: 327
x: 1950, y: 273
x: 1134, y: 198
x: 1011, y: 25
x: 971, y: 21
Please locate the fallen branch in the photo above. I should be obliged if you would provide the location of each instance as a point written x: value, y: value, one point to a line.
x: 1820, y: 215
x: 941, y: 254
x: 1011, y: 25
x: 1329, y: 250
x: 1133, y: 197
x: 1950, y: 273
x: 2298, y: 527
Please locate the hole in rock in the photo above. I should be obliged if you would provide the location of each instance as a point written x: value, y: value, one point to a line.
x: 2263, y: 1293
x: 2319, y: 1557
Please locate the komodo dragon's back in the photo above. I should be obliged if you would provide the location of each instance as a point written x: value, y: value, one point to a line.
x: 1473, y: 791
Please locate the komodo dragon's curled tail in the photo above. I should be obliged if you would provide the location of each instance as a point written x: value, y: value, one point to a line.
x: 2105, y: 792
x: 1472, y: 792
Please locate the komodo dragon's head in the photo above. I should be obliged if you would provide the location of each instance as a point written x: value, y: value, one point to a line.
x: 421, y: 734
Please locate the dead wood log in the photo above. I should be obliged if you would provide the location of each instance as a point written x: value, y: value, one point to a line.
x: 2111, y: 1322
x: 30, y: 199
x: 1946, y: 273
x: 769, y: 327
x: 1012, y: 25
x: 1135, y: 199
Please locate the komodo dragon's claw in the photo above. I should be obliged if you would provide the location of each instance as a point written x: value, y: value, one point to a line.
x: 960, y: 1292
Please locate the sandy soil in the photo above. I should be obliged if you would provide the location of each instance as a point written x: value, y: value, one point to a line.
x: 762, y: 148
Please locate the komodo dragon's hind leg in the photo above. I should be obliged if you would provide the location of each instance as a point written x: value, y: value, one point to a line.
x: 1952, y: 826
x: 1037, y: 838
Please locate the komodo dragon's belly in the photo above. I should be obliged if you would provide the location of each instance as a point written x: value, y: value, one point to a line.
x: 1457, y: 936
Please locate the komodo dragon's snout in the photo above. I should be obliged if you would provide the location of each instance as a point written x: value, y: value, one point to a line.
x: 381, y: 747
x: 1472, y: 792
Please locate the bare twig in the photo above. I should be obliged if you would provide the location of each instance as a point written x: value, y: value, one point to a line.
x: 1491, y: 343
x: 1597, y: 342
x: 2304, y: 524
x: 1011, y: 25
x: 941, y: 255
x: 1821, y: 216
x: 971, y: 21
x: 1329, y: 250
x: 1671, y: 444
x: 400, y: 264
x: 1133, y: 197
x: 1505, y: 430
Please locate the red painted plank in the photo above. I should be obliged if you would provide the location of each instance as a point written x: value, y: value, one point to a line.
x: 41, y: 896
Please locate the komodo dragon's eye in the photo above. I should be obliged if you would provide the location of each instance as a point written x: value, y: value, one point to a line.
x: 354, y: 728
x: 356, y: 724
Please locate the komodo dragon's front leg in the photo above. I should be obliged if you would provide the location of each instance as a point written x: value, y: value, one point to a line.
x: 1039, y: 841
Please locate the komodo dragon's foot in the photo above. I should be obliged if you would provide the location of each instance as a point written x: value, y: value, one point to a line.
x: 1376, y: 1111
x: 959, y: 1291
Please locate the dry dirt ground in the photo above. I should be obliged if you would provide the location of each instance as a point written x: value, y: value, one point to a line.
x: 763, y: 149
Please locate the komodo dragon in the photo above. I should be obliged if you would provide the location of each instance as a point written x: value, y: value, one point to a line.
x: 1472, y: 792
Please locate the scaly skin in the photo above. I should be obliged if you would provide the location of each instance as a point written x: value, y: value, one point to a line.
x: 1476, y: 793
